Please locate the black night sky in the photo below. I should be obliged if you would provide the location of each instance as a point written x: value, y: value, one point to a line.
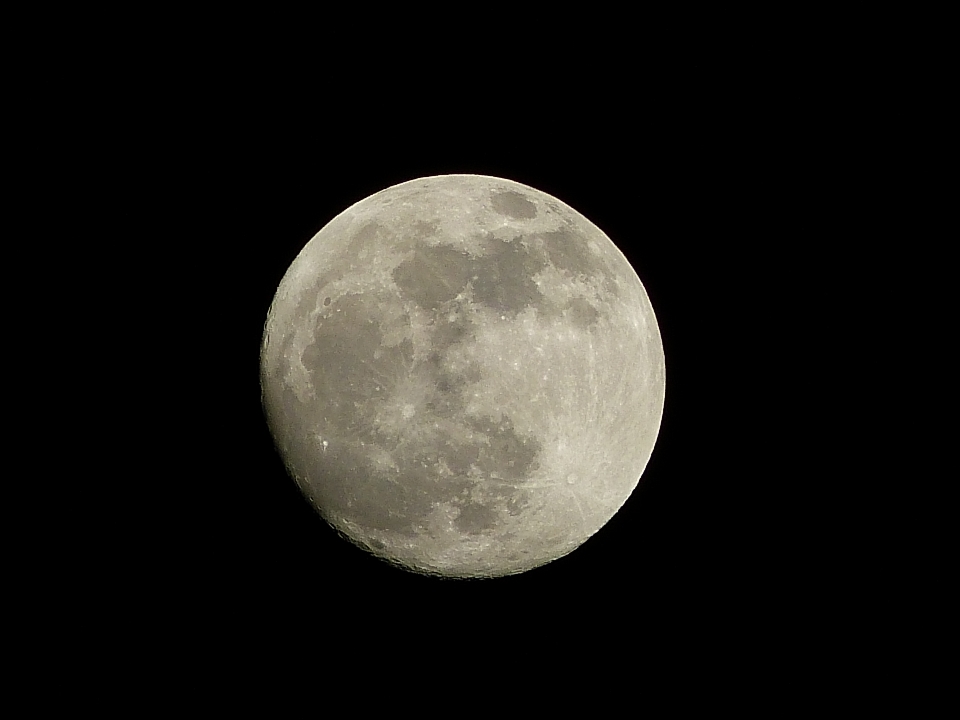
x: 699, y: 178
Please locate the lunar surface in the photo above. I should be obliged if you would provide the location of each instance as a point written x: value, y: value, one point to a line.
x: 464, y: 375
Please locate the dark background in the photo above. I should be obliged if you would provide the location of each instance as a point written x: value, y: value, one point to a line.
x: 700, y: 175
x: 182, y: 163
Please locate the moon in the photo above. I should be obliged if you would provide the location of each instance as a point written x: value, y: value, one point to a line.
x: 463, y: 375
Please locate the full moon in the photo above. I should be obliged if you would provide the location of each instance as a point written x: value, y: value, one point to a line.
x: 463, y: 375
